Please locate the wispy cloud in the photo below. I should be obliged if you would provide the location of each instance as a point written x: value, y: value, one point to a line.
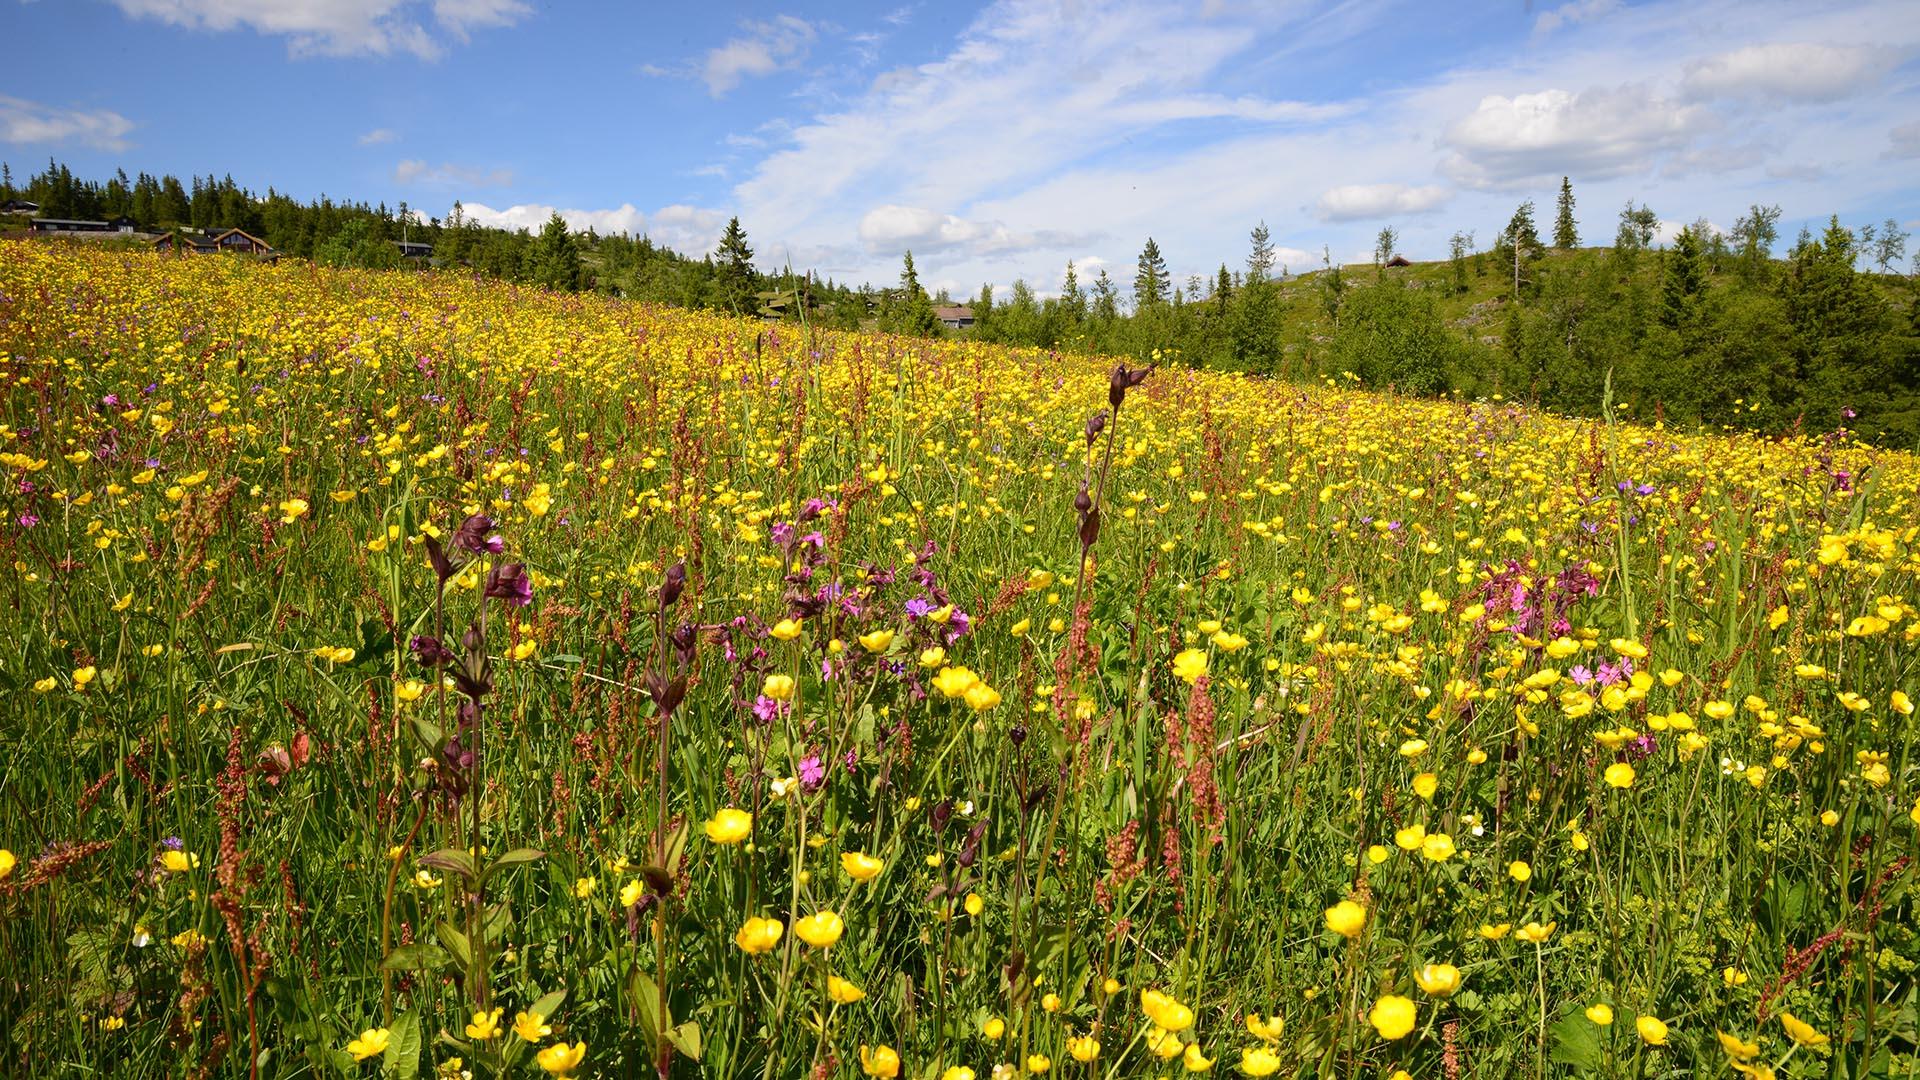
x: 1789, y: 71
x: 379, y: 137
x: 447, y: 175
x: 339, y: 27
x: 23, y: 121
x: 769, y: 46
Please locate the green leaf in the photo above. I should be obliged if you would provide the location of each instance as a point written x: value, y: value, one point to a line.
x: 402, y: 1056
x: 686, y: 1038
x: 499, y: 919
x: 450, y: 859
x: 548, y: 1004
x: 676, y: 847
x: 419, y: 956
x: 647, y: 995
x: 456, y: 943
x: 1576, y: 1042
x: 516, y: 857
x: 428, y: 733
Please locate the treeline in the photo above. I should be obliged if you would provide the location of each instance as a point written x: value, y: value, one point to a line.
x: 360, y: 234
x: 1710, y: 329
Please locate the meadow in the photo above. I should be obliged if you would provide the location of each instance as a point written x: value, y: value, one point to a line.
x: 410, y: 675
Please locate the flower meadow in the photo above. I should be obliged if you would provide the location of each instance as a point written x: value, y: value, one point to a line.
x: 408, y: 675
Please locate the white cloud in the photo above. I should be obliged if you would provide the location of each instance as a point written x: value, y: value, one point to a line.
x: 531, y: 216
x: 461, y: 17
x: 690, y: 230
x: 767, y: 47
x: 1796, y: 71
x: 1595, y: 134
x: 23, y: 121
x: 379, y: 136
x: 1903, y: 142
x: 337, y: 27
x: 1570, y: 14
x: 1356, y: 202
x: 891, y: 229
x: 446, y: 174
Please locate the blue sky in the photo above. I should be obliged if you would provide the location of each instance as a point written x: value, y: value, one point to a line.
x: 997, y: 142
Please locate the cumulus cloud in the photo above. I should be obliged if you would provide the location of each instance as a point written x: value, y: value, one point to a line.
x: 1789, y: 71
x: 1357, y: 202
x: 891, y: 229
x: 1595, y: 134
x: 446, y: 174
x: 766, y: 47
x: 338, y: 27
x: 690, y: 230
x: 23, y: 121
x: 379, y: 136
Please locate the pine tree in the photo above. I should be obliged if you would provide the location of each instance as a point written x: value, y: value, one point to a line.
x: 1073, y: 302
x: 734, y: 263
x: 1520, y: 243
x: 1106, y: 299
x: 1260, y: 259
x: 1457, y: 248
x: 910, y: 312
x: 1383, y: 246
x: 1566, y: 236
x: 1151, y: 282
x: 1685, y: 281
x: 555, y: 258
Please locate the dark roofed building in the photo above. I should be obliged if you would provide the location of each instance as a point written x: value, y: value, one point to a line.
x: 414, y: 249
x: 954, y: 317
x: 19, y: 206
x: 66, y: 225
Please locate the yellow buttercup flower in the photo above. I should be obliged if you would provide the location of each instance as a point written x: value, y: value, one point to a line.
x: 1190, y: 664
x: 1651, y: 1029
x: 1619, y: 775
x: 729, y: 826
x: 1165, y: 1011
x: 1393, y: 1017
x: 785, y: 629
x: 1259, y: 1061
x: 530, y: 1027
x: 561, y: 1059
x: 1083, y: 1048
x: 861, y: 867
x: 758, y: 935
x: 1735, y: 1048
x: 485, y: 1025
x: 370, y: 1043
x: 1437, y: 980
x: 1347, y: 919
x: 1802, y: 1032
x: 1536, y: 933
x: 876, y: 641
x: 881, y: 1061
x: 1600, y: 1013
x: 7, y: 863
x: 778, y: 687
x: 821, y: 929
x: 1192, y: 1060
x: 1269, y: 1029
x: 843, y: 991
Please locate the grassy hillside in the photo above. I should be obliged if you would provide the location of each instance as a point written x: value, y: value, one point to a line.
x: 417, y: 675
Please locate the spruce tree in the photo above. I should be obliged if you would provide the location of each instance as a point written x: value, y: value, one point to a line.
x: 911, y: 311
x: 1106, y: 299
x: 1566, y: 236
x: 734, y: 264
x: 555, y: 260
x: 1685, y: 281
x: 1151, y: 282
x: 1260, y: 259
x: 1073, y: 302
